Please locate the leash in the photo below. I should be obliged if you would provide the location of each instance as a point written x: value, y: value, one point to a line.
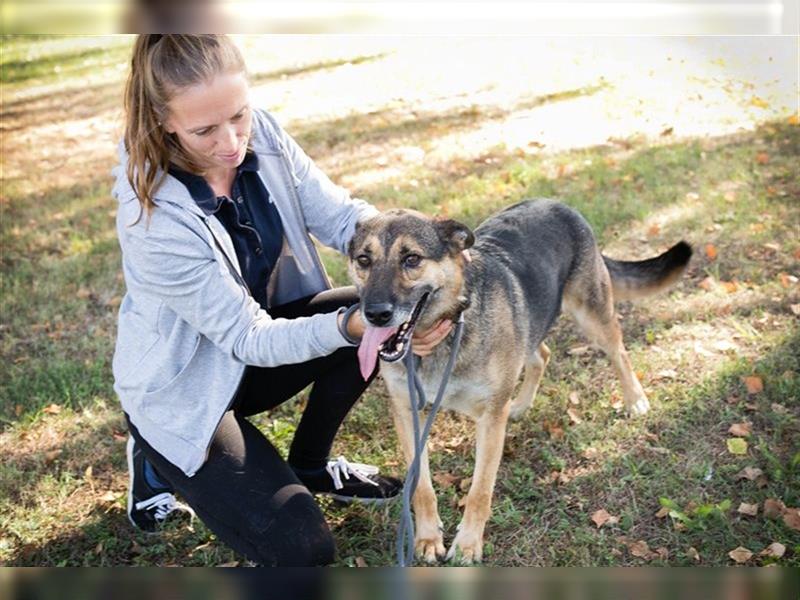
x: 416, y: 394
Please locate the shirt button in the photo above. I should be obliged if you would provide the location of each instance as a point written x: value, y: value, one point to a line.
x: 258, y: 251
x: 239, y: 199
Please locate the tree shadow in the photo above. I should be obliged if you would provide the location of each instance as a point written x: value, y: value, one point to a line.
x: 264, y: 76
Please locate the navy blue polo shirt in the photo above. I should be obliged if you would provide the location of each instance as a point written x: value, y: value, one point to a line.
x: 250, y: 219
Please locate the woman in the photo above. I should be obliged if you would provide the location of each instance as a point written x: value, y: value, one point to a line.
x: 228, y: 312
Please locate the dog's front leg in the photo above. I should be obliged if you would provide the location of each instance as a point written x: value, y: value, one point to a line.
x: 428, y: 539
x: 490, y: 436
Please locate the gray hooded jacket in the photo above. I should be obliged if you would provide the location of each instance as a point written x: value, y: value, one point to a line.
x: 187, y: 323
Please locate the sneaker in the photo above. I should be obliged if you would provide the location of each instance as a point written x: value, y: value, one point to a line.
x: 150, y: 500
x: 350, y: 482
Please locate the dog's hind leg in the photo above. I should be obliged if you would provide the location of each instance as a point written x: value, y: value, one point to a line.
x: 589, y: 299
x: 428, y: 538
x: 530, y: 384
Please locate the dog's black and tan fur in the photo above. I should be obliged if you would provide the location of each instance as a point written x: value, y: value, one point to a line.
x: 527, y: 263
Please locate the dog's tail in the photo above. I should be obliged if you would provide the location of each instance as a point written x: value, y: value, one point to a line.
x: 636, y: 279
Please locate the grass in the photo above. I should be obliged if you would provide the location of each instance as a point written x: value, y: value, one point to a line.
x: 62, y: 436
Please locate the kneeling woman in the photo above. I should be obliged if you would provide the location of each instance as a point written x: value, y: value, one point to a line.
x: 228, y: 311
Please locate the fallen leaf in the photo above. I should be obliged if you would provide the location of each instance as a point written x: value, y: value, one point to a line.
x: 52, y: 409
x: 793, y: 120
x: 662, y: 512
x: 662, y: 552
x: 654, y: 230
x: 88, y: 473
x: 667, y: 374
x: 601, y: 517
x: 554, y: 430
x: 762, y: 158
x: 108, y: 496
x: 750, y: 473
x: 640, y: 549
x: 774, y: 550
x: 445, y: 479
x: 773, y: 508
x: 748, y: 509
x: 360, y: 562
x: 729, y: 286
x: 795, y: 308
x: 574, y: 398
x: 754, y: 384
x: 17, y: 410
x: 761, y: 481
x: 740, y: 429
x: 707, y: 284
x: 590, y: 453
x: 711, y: 251
x: 51, y: 455
x: 667, y: 131
x: 119, y: 437
x: 693, y: 554
x: 573, y: 416
x: 737, y: 446
x: 578, y: 350
x: 787, y: 280
x: 791, y: 518
x: 740, y: 554
x: 778, y: 408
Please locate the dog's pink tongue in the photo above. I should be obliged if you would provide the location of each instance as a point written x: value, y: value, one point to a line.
x: 368, y: 350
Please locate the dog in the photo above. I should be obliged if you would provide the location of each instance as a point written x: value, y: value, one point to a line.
x: 523, y: 267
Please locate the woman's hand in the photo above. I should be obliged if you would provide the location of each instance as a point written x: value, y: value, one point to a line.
x: 424, y: 342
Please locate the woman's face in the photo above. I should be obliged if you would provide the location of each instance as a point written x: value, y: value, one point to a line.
x: 212, y: 121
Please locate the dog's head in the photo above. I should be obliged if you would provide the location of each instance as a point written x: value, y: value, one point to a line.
x: 408, y: 269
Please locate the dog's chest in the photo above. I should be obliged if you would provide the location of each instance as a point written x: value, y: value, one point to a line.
x: 464, y: 394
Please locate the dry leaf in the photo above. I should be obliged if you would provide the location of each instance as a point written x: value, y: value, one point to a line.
x: 773, y: 508
x: 662, y: 552
x: 740, y: 429
x: 740, y: 554
x: 748, y: 509
x: 554, y: 430
x: 590, y: 453
x: 601, y: 517
x: 108, y: 496
x: 774, y: 550
x: 750, y: 473
x: 667, y: 374
x: 662, y: 512
x: 754, y: 384
x: 445, y: 479
x: 693, y: 554
x: 574, y: 398
x: 707, y: 284
x: 88, y: 473
x: 737, y: 446
x: 729, y: 286
x: 51, y: 455
x: 787, y: 280
x: 791, y: 518
x: 762, y: 158
x: 573, y: 416
x: 360, y: 562
x: 17, y: 410
x: 654, y: 230
x: 793, y: 120
x: 640, y: 549
x: 53, y: 409
x: 578, y: 350
x: 711, y: 252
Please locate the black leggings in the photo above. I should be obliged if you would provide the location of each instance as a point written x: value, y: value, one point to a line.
x: 245, y: 492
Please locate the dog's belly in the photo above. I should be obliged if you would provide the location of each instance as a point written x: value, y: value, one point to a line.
x: 465, y: 395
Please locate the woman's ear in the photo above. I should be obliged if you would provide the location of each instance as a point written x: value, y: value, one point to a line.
x: 456, y: 235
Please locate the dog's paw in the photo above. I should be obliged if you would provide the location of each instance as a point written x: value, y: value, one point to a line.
x: 430, y: 548
x: 467, y: 548
x: 639, y: 407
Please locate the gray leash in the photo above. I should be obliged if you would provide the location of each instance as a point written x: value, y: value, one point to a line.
x: 416, y: 393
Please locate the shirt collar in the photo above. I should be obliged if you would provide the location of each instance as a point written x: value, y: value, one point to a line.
x: 199, y: 189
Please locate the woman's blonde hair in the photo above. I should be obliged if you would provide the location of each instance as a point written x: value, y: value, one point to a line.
x: 162, y: 65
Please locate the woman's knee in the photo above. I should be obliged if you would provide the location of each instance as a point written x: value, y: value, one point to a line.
x: 297, y: 537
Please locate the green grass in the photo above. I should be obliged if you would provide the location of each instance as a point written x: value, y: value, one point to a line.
x: 62, y: 435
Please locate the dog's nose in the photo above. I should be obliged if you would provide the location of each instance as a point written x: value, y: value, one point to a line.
x: 379, y: 313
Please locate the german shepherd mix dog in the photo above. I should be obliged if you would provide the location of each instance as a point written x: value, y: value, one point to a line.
x: 527, y: 263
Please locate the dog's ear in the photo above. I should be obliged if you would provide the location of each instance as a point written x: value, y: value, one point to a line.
x: 456, y: 235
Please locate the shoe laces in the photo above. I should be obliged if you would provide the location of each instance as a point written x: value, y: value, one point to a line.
x: 163, y: 504
x: 342, y: 467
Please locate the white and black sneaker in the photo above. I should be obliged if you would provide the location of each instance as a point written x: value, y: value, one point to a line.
x: 150, y: 500
x: 346, y: 481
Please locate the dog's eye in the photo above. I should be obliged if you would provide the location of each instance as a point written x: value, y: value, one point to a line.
x: 363, y: 261
x: 412, y: 260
